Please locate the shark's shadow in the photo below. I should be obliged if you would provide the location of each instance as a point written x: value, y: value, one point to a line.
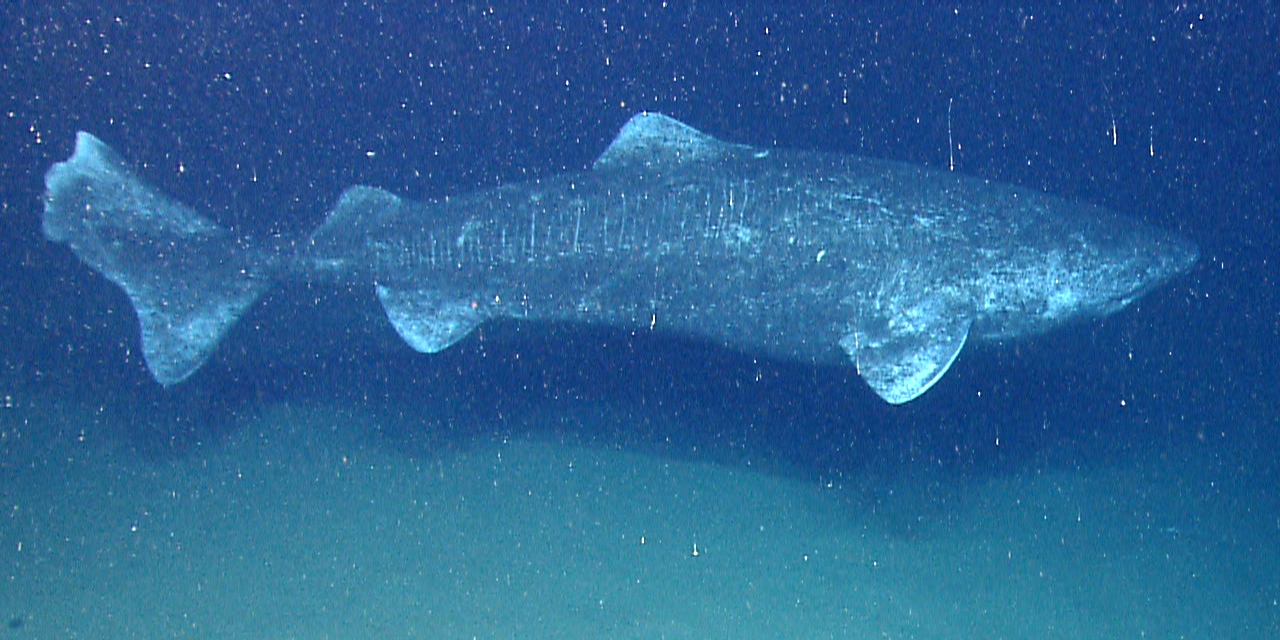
x: 1009, y: 408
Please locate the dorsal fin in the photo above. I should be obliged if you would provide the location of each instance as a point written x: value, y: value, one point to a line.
x: 652, y: 138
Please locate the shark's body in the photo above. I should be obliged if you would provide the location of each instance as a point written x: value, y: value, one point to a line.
x: 818, y: 257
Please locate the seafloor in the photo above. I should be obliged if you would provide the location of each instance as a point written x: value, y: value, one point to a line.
x: 304, y: 523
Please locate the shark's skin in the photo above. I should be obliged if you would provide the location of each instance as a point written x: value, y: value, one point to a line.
x: 818, y: 257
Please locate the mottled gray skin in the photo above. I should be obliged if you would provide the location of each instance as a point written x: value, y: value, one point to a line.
x: 798, y: 255
x: 809, y: 256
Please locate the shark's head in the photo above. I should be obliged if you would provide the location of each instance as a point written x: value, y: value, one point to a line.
x: 1107, y: 262
x: 1133, y: 258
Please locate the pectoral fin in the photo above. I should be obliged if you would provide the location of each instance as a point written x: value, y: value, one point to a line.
x: 903, y: 354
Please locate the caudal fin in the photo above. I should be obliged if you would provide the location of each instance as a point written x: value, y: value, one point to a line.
x: 188, y: 279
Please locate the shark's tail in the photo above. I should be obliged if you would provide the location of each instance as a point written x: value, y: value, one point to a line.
x: 188, y: 279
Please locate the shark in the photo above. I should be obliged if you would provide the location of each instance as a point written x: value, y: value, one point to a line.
x: 819, y: 257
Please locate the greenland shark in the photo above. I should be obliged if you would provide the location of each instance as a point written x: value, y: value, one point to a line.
x: 818, y: 257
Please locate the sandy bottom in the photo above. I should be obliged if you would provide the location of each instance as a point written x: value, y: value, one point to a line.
x: 300, y: 527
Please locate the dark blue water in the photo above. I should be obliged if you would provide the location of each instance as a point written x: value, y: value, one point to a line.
x: 259, y: 116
